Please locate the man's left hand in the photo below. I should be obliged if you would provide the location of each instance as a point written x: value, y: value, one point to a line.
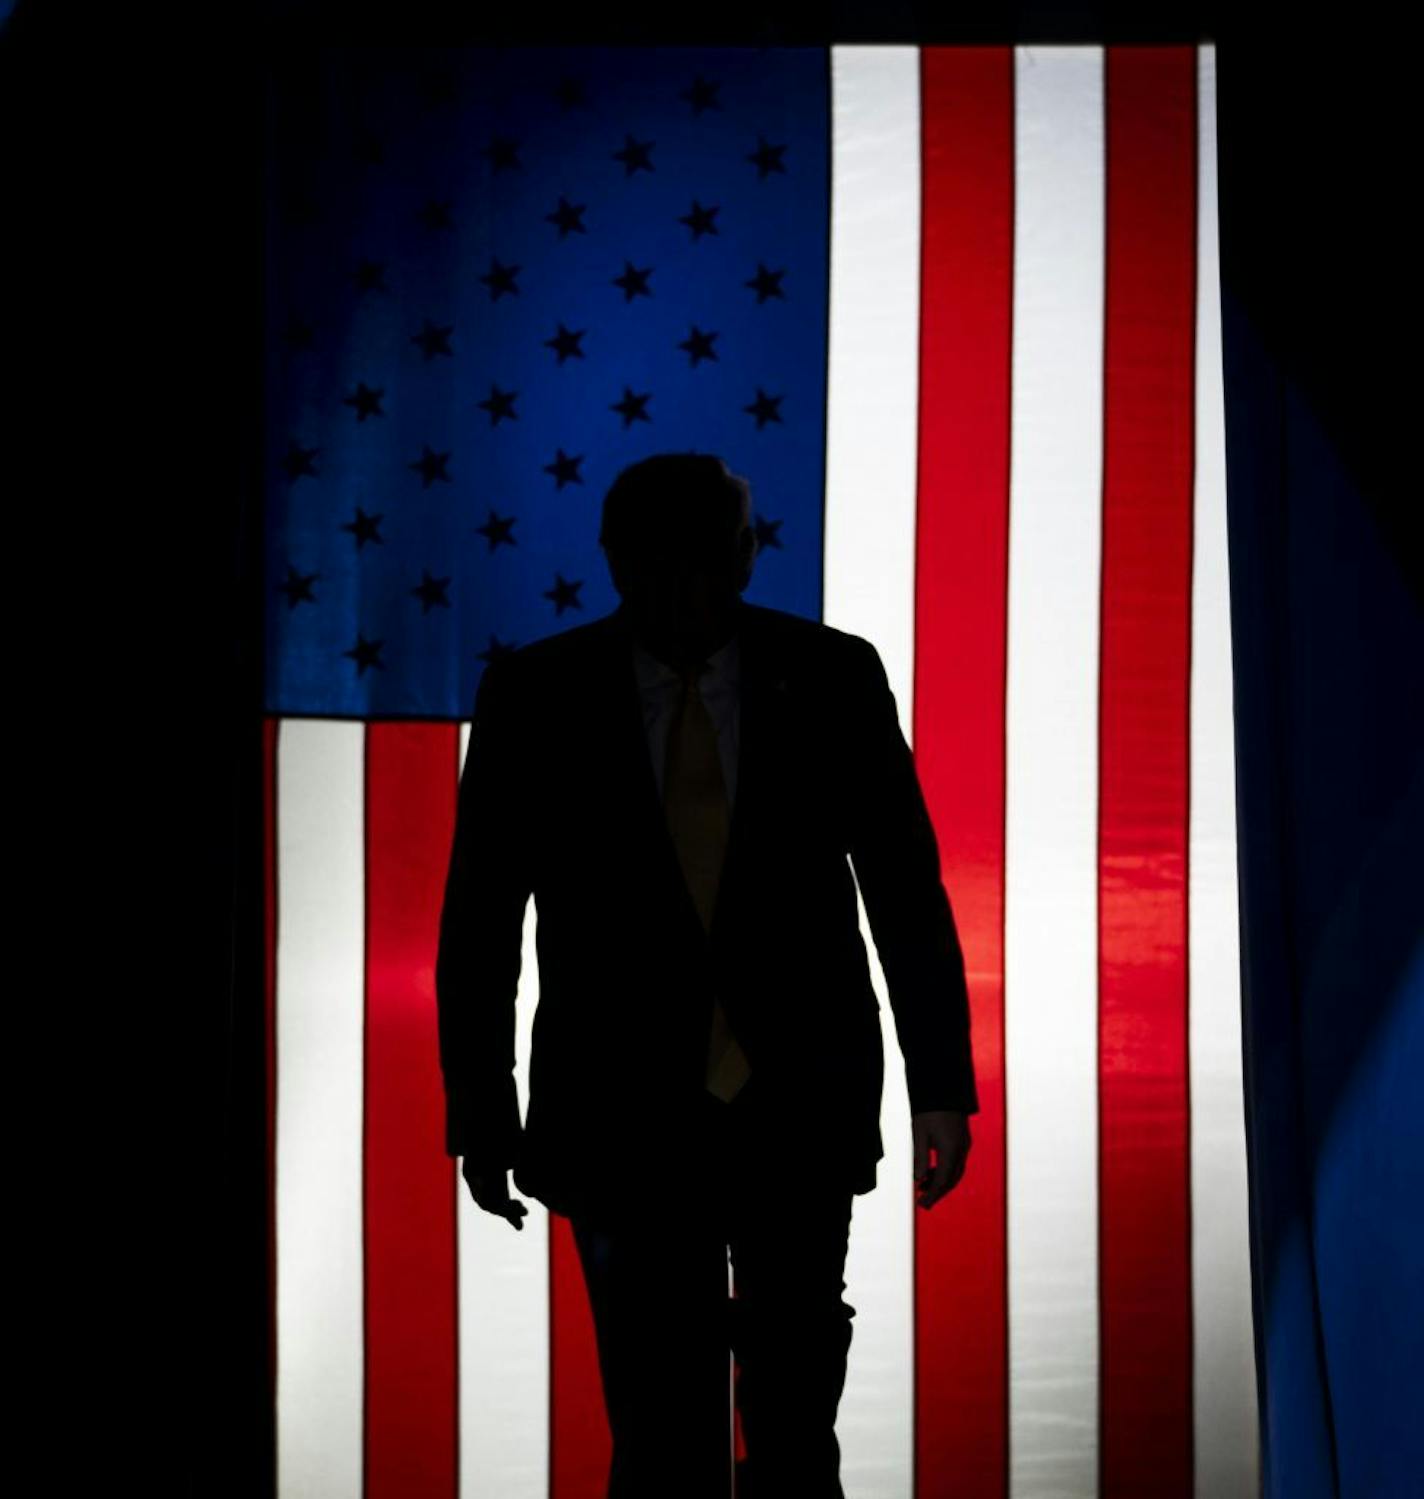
x: 947, y: 1132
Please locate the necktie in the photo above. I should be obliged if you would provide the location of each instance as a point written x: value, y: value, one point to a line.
x: 699, y: 819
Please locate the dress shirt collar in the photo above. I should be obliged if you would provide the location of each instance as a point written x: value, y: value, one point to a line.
x: 656, y: 675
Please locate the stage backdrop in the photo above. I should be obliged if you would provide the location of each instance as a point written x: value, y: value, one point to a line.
x: 954, y: 313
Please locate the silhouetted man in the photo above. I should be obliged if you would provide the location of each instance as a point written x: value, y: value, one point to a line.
x: 684, y: 787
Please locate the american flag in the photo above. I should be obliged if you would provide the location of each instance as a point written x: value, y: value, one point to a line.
x: 954, y: 314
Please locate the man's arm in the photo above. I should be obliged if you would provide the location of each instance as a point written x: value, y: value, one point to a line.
x: 897, y: 866
x: 481, y: 936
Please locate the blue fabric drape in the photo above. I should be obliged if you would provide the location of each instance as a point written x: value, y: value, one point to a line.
x: 1328, y: 642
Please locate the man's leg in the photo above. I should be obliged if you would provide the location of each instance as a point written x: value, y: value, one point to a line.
x: 658, y: 1289
x: 791, y: 1329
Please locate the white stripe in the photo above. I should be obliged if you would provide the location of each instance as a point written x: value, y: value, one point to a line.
x: 1050, y: 952
x: 871, y: 439
x: 320, y: 1052
x: 504, y: 1308
x: 1224, y: 1374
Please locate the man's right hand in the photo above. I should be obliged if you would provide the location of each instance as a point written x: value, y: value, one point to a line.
x: 490, y: 1189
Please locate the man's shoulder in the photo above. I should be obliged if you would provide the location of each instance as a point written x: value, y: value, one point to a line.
x: 568, y: 649
x: 811, y: 640
x: 798, y: 629
x: 796, y: 639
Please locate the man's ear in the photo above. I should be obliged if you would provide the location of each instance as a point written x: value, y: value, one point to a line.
x: 616, y: 571
x: 747, y: 549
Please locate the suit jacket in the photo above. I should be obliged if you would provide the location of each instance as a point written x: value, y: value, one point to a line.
x: 558, y: 800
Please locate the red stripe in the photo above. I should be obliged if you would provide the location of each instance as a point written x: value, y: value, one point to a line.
x: 739, y: 1441
x: 412, y: 1432
x: 581, y: 1444
x: 1143, y: 768
x: 961, y: 594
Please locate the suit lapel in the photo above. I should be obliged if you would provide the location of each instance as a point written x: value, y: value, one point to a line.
x: 757, y: 737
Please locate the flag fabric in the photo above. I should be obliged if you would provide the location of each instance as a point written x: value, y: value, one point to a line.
x: 954, y: 314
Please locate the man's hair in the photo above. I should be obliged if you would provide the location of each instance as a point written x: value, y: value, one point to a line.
x: 673, y: 499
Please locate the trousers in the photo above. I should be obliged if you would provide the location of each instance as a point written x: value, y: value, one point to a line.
x: 665, y: 1322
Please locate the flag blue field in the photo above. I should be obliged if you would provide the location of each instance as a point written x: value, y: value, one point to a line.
x: 493, y: 283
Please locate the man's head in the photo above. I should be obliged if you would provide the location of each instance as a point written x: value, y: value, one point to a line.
x: 680, y: 545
